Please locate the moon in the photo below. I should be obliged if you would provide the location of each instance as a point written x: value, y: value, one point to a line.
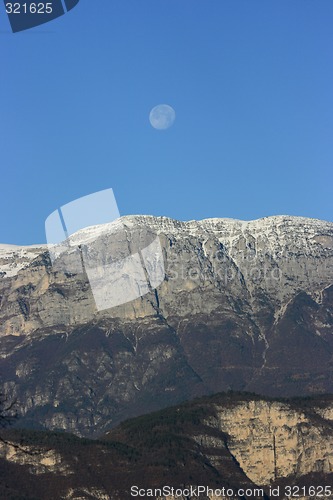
x: 162, y: 116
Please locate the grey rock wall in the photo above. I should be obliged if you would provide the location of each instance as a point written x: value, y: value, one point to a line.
x: 243, y: 306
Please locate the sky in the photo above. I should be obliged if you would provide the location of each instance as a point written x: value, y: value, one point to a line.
x: 251, y: 83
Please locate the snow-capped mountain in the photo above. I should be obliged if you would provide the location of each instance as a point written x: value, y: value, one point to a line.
x: 245, y: 305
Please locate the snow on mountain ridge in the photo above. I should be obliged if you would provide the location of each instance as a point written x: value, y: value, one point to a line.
x: 276, y: 230
x: 13, y: 258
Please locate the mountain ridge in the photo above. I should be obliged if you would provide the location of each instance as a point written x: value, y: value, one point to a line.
x: 245, y: 306
x: 169, y: 221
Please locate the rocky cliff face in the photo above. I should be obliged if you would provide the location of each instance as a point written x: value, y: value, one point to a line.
x: 238, y: 442
x: 271, y: 440
x: 243, y: 306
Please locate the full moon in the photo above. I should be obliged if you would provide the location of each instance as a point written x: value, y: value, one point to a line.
x: 162, y: 116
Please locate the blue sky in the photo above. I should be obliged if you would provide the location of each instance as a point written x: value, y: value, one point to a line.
x: 251, y: 82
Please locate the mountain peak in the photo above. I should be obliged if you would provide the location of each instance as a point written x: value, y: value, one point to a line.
x: 242, y: 305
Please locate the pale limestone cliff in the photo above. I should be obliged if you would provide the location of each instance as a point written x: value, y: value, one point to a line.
x: 271, y: 440
x: 40, y: 461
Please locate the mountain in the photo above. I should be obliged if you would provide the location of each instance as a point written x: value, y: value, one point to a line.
x: 233, y: 441
x: 245, y: 306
